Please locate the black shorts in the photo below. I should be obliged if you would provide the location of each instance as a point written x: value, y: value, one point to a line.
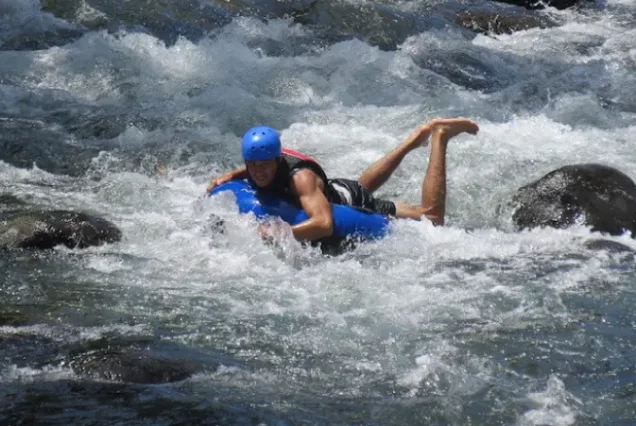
x: 351, y: 193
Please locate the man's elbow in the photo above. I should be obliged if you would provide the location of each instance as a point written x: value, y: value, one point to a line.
x: 326, y: 225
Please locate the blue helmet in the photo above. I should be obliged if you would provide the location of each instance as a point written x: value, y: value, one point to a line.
x: 261, y: 143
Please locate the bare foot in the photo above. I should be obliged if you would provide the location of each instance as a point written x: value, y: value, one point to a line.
x: 447, y: 128
x: 419, y: 137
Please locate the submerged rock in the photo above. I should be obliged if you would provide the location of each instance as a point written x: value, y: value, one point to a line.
x: 165, y: 19
x: 485, y: 22
x: 43, y: 230
x: 381, y: 25
x: 28, y: 142
x: 41, y: 40
x: 76, y: 11
x: 595, y: 195
x: 607, y: 245
x: 537, y: 4
x: 14, y: 318
x: 9, y: 202
x: 133, y: 366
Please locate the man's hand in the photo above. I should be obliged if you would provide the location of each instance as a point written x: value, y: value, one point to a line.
x: 240, y: 173
x: 216, y: 182
x: 274, y: 231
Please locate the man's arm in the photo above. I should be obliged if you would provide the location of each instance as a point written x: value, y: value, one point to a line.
x: 240, y: 173
x: 305, y: 185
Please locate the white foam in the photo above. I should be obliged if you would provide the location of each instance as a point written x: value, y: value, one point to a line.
x: 554, y: 406
x: 25, y: 375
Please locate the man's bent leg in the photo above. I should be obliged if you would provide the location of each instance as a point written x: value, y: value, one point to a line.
x: 433, y: 202
x: 379, y: 172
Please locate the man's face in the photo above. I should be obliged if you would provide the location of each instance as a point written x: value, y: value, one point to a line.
x: 262, y: 172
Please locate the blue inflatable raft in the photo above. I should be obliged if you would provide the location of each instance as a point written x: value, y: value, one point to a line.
x: 347, y: 221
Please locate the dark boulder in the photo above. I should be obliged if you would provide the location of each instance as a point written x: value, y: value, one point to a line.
x: 132, y: 366
x: 43, y: 230
x: 592, y: 194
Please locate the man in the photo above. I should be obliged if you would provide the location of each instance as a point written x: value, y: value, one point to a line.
x: 283, y: 172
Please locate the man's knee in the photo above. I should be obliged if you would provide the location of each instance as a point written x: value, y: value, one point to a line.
x: 363, y: 183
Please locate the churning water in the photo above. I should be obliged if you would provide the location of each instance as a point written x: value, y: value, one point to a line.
x: 126, y: 109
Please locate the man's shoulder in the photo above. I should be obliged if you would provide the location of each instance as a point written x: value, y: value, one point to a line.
x: 303, y: 174
x: 304, y: 178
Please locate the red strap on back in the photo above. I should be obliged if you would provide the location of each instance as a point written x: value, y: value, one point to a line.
x: 298, y: 155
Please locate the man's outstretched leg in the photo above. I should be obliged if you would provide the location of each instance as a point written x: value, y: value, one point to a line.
x: 380, y: 171
x: 433, y: 202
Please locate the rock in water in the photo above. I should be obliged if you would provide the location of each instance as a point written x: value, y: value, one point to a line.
x: 133, y: 366
x: 43, y: 230
x: 486, y: 22
x: 536, y: 4
x: 596, y: 195
x: 608, y: 246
